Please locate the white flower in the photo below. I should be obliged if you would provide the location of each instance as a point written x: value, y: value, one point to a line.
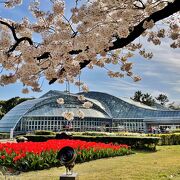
x: 85, y: 88
x: 148, y: 24
x: 25, y: 91
x: 87, y: 105
x: 68, y: 115
x: 58, y: 7
x: 60, y: 101
x: 86, y: 39
x: 81, y: 114
x: 123, y: 32
x: 81, y: 98
x: 136, y: 78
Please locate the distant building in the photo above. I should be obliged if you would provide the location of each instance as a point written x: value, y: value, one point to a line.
x: 108, y: 113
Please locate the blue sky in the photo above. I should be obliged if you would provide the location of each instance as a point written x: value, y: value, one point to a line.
x: 159, y: 75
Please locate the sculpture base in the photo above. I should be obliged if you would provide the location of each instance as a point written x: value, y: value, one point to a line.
x: 73, y: 176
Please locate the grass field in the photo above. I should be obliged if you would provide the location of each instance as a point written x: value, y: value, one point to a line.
x: 161, y: 165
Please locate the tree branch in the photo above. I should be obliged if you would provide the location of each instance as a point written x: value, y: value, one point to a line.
x: 11, y: 28
x: 17, y: 40
x: 45, y: 55
x: 81, y: 64
x: 170, y: 9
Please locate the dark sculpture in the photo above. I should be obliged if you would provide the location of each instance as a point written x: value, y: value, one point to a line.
x: 67, y: 157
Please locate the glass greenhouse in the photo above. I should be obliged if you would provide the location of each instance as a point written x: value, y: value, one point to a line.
x: 107, y: 113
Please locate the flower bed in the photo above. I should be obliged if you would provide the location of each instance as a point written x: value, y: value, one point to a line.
x: 40, y: 155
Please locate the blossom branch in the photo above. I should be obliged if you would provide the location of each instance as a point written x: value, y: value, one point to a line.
x: 169, y: 10
x: 17, y: 40
x: 81, y: 64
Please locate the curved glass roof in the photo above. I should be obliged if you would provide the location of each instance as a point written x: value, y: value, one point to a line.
x: 138, y: 104
x: 121, y: 108
x: 47, y: 110
x: 104, y: 106
x: 14, y: 115
x: 47, y: 106
x: 71, y: 103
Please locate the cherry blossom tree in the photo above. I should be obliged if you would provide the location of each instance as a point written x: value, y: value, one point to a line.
x: 94, y: 35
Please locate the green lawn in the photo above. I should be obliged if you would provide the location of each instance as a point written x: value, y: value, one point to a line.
x: 161, y: 165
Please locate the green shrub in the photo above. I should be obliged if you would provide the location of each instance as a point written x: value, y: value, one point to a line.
x: 145, y: 143
x: 39, y: 138
x: 44, y: 132
x: 63, y: 135
x: 21, y: 139
x: 4, y: 135
x: 91, y: 133
x: 167, y: 139
x: 176, y: 131
x: 170, y: 139
x: 95, y: 133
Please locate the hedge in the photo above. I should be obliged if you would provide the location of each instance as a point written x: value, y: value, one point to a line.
x: 134, y: 141
x: 146, y: 143
x: 4, y: 135
x: 168, y: 139
x: 39, y: 138
x: 176, y: 131
x: 44, y: 132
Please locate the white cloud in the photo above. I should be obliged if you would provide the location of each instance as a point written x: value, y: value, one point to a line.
x: 177, y: 89
x: 167, y: 57
x: 151, y: 73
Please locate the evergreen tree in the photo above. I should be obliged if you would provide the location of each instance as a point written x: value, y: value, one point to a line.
x: 146, y: 99
x: 138, y: 96
x: 6, y: 106
x: 162, y: 98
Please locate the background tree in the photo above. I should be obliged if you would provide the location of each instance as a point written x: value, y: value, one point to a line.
x: 162, y: 98
x: 174, y: 106
x: 146, y: 99
x: 1, y: 109
x: 6, y: 106
x: 94, y: 35
x: 138, y: 96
